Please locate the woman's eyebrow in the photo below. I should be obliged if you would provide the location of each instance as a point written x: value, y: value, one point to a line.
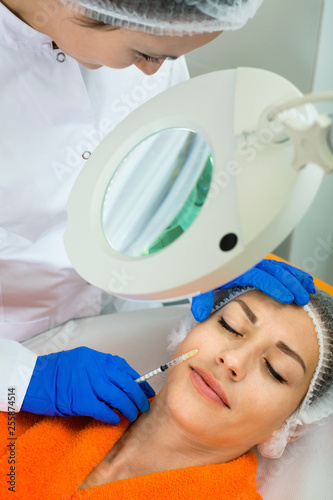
x: 250, y: 314
x: 287, y: 350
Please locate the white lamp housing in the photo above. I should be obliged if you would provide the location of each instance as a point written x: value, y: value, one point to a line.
x: 255, y: 198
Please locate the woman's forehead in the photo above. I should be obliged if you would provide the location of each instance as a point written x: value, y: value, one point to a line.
x: 255, y: 299
x: 289, y: 323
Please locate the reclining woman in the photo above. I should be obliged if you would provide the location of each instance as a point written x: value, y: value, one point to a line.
x: 263, y: 374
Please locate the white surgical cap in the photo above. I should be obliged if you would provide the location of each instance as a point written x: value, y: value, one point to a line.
x: 169, y: 17
x: 317, y: 404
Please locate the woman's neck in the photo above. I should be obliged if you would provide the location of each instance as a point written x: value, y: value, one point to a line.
x: 155, y: 442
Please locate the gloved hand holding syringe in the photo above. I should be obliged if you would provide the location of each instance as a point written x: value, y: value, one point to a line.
x: 164, y: 367
x: 83, y: 381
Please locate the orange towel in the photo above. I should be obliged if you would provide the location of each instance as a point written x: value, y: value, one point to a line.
x: 53, y: 455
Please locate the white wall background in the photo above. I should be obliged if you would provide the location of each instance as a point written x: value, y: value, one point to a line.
x: 312, y: 241
x: 293, y: 38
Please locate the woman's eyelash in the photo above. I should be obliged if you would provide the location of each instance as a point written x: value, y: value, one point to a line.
x: 274, y: 374
x: 228, y: 327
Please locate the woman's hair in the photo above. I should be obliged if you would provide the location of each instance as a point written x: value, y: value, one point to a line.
x: 171, y: 17
x: 317, y: 404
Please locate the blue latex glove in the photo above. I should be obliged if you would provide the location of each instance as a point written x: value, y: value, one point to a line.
x: 81, y: 381
x: 279, y: 280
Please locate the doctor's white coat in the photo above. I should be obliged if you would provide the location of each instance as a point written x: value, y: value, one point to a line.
x: 53, y: 113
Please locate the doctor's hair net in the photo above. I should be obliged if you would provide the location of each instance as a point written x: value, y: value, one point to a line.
x: 317, y: 404
x: 169, y: 17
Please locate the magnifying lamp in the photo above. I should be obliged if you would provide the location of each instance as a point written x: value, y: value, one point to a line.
x: 197, y: 185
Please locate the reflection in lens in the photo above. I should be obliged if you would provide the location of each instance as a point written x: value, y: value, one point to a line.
x: 187, y: 214
x: 156, y: 192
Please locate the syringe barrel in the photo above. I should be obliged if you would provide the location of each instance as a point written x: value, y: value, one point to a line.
x: 148, y: 375
x: 175, y: 362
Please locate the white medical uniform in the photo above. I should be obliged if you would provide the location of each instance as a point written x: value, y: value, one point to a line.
x: 53, y: 112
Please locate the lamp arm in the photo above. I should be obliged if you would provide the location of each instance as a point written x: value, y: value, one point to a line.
x: 299, y: 101
x: 330, y: 137
x: 312, y: 143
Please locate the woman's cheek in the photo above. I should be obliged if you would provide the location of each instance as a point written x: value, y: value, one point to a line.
x: 203, y: 337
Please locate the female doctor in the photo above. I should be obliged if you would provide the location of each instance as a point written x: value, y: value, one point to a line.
x: 54, y: 112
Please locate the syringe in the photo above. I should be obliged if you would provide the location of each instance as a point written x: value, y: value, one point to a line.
x: 162, y: 368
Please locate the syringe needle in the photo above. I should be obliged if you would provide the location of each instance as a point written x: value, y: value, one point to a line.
x: 164, y: 367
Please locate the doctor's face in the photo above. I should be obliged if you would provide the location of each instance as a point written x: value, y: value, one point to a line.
x: 255, y: 363
x: 117, y: 48
x: 121, y: 48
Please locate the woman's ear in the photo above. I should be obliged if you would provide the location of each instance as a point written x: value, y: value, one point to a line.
x: 297, y: 433
x: 291, y: 439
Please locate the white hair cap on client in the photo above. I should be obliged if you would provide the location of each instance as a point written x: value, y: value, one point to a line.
x: 317, y: 404
x: 171, y: 17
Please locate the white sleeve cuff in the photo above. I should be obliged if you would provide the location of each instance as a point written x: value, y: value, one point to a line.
x: 16, y: 366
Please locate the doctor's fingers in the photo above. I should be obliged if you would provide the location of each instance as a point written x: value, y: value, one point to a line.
x: 117, y: 399
x: 302, y: 277
x: 99, y: 403
x: 123, y: 385
x: 297, y: 281
x: 104, y: 413
x: 121, y: 364
x: 283, y: 286
x: 274, y: 267
x: 98, y: 400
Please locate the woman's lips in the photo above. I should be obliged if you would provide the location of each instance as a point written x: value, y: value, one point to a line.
x: 208, y: 387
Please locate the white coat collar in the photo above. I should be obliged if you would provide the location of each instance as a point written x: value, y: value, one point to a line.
x: 16, y: 34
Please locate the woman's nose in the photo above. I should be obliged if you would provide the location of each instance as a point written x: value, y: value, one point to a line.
x: 148, y: 68
x: 235, y: 362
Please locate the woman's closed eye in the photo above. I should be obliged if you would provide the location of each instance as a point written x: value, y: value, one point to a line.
x: 225, y: 325
x: 273, y: 373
